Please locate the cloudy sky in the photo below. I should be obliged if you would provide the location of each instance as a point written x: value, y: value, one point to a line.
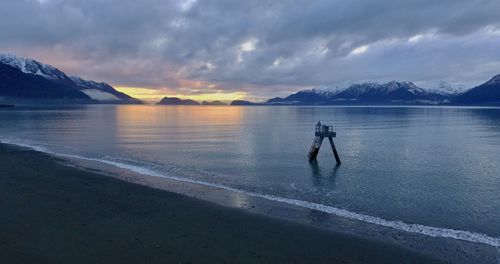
x: 230, y: 49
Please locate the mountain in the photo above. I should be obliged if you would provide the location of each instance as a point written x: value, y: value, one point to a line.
x: 23, y: 79
x: 390, y: 93
x: 176, y: 101
x: 33, y: 67
x: 485, y: 94
x: 366, y: 93
x: 102, y: 91
x: 17, y: 84
x: 217, y: 102
x: 242, y: 102
x: 448, y: 89
x: 304, y: 97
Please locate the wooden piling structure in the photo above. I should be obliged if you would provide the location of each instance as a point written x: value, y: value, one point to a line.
x: 321, y: 132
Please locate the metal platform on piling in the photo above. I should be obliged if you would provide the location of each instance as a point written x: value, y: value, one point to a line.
x: 321, y: 132
x: 325, y: 131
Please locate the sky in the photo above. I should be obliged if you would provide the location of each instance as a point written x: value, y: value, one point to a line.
x: 254, y: 50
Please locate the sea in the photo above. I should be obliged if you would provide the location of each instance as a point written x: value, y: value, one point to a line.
x: 429, y: 170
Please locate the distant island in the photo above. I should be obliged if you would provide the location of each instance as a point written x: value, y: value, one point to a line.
x: 176, y: 101
x: 216, y: 102
x: 243, y: 102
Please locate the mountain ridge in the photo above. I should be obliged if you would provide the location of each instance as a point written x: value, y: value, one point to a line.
x: 487, y: 93
x: 27, y: 79
x: 392, y: 93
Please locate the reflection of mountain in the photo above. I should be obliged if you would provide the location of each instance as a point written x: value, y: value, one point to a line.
x: 24, y: 79
x: 490, y: 118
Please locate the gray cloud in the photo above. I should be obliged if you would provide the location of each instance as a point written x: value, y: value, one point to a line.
x: 260, y: 47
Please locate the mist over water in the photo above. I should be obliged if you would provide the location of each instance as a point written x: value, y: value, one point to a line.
x: 437, y: 167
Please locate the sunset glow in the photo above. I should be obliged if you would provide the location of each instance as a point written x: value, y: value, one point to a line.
x: 153, y: 95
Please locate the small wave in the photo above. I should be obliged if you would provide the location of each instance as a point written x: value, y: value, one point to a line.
x: 412, y: 228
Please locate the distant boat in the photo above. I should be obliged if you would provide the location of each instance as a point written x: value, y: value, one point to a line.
x: 6, y: 105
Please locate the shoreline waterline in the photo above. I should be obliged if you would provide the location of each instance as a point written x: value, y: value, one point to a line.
x: 55, y: 213
x: 419, y: 229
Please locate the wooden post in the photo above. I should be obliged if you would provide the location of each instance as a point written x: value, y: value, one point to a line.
x: 334, y: 149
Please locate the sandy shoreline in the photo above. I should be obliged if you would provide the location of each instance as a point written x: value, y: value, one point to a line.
x: 55, y: 213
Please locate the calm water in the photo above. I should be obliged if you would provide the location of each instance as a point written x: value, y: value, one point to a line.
x: 438, y: 167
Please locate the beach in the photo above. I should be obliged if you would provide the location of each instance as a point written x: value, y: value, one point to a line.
x: 53, y: 213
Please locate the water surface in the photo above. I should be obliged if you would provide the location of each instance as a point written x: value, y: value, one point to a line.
x: 437, y: 166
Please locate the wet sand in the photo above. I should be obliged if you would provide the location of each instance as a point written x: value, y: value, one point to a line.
x: 52, y: 213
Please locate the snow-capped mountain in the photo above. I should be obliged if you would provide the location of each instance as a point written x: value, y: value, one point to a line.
x: 487, y: 93
x: 326, y: 90
x: 101, y: 91
x: 391, y: 92
x: 445, y: 88
x: 30, y: 66
x: 29, y: 79
x: 365, y: 93
x: 494, y: 81
x: 16, y: 86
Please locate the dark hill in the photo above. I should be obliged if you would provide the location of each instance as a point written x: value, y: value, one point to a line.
x: 485, y: 94
x: 176, y: 101
x: 14, y: 83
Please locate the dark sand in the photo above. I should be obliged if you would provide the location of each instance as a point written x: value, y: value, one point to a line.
x: 52, y: 213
